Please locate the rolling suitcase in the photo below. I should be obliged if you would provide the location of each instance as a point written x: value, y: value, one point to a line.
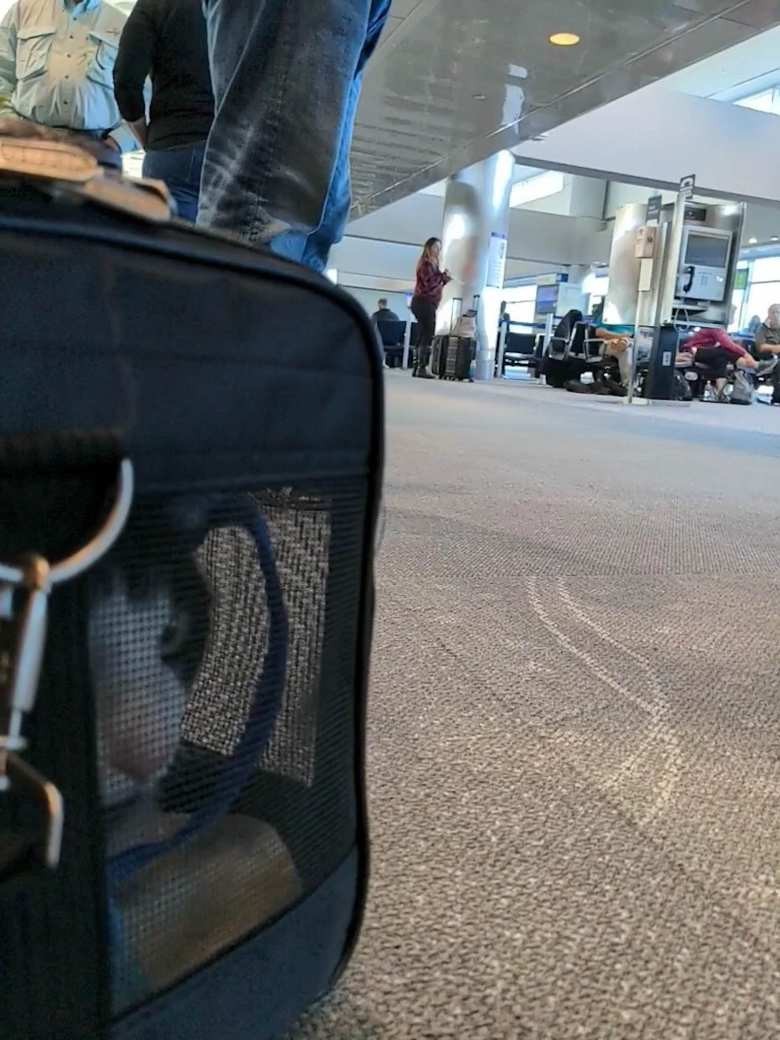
x: 439, y: 356
x: 441, y: 343
x: 460, y: 354
x: 189, y: 485
x: 458, y: 349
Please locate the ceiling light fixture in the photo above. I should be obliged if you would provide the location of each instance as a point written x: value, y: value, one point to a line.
x: 564, y: 39
x: 752, y: 241
x: 479, y: 97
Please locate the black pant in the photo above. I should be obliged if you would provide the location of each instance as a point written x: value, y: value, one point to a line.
x: 425, y: 312
x: 716, y: 360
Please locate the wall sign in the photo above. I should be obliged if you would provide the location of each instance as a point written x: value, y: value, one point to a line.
x: 497, y: 255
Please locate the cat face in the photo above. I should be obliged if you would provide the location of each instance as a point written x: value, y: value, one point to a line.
x: 135, y: 645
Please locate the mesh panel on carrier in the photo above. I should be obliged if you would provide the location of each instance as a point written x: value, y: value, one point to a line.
x: 228, y: 780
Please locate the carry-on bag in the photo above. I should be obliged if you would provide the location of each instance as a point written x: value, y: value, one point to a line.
x: 439, y: 355
x: 461, y: 342
x: 190, y: 470
x: 460, y: 354
x: 742, y: 391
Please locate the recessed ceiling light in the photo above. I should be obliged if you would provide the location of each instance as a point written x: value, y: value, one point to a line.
x: 565, y: 39
x: 752, y: 241
x: 775, y: 238
x: 479, y: 97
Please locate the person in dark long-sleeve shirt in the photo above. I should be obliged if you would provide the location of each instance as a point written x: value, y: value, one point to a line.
x: 166, y: 40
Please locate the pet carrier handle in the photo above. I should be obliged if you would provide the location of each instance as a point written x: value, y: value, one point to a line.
x: 456, y: 304
x: 24, y: 601
x: 264, y: 709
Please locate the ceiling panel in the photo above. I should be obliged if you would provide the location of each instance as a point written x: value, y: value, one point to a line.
x: 455, y: 80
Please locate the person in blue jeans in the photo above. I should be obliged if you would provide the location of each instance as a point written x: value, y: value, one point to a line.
x: 166, y: 39
x: 286, y: 76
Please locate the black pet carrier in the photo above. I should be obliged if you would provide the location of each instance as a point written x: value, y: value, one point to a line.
x: 190, y: 467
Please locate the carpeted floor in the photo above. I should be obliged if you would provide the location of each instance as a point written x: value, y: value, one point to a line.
x: 574, y: 738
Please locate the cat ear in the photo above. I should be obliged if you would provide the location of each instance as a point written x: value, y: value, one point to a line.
x: 175, y: 636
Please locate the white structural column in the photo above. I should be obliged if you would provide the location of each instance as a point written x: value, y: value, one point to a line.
x: 474, y: 238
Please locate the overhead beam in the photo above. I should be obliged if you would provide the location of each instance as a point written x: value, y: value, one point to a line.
x: 654, y: 137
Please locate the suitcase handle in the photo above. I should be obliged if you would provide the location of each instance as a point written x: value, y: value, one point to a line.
x: 264, y: 710
x: 456, y: 310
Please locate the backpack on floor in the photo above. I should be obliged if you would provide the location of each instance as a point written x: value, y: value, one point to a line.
x: 742, y: 391
x: 190, y: 471
x: 681, y: 387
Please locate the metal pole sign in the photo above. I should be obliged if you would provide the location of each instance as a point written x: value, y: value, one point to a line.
x: 407, y: 344
x: 654, y: 207
x: 502, y: 338
x: 688, y: 186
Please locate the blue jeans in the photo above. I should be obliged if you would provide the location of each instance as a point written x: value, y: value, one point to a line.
x: 286, y: 76
x: 180, y: 168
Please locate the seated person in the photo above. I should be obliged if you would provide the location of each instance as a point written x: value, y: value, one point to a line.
x: 565, y: 328
x: 557, y: 370
x: 383, y: 313
x: 714, y: 350
x: 753, y: 325
x: 768, y: 345
x: 386, y: 337
x: 617, y: 346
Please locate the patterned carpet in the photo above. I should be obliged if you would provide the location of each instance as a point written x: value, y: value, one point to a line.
x: 574, y: 735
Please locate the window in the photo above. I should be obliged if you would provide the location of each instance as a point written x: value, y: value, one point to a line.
x: 763, y: 288
x: 764, y: 101
x: 766, y: 269
x: 521, y: 303
x: 739, y: 319
x: 538, y: 187
x: 761, y: 297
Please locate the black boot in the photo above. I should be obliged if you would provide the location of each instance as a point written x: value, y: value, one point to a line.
x: 423, y: 368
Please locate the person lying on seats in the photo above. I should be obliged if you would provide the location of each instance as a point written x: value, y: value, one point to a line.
x: 713, y: 351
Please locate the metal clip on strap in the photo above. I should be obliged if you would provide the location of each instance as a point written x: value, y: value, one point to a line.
x: 24, y: 601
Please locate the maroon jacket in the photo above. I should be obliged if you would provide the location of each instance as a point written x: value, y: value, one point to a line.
x: 430, y: 282
x: 715, y: 338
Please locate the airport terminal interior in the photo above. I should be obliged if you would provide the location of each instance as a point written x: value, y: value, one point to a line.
x: 574, y: 757
x: 573, y: 726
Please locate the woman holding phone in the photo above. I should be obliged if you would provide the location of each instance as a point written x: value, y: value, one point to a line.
x: 427, y: 297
